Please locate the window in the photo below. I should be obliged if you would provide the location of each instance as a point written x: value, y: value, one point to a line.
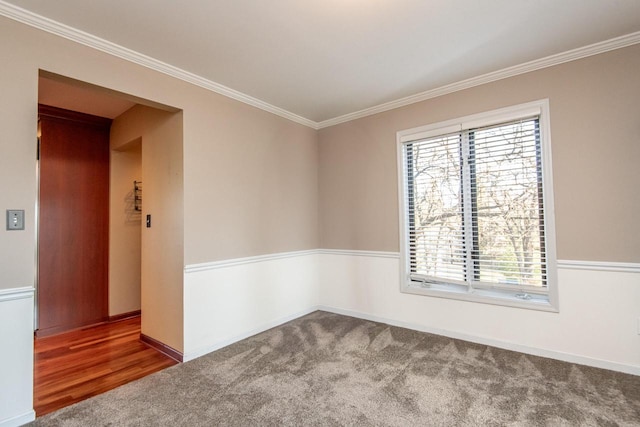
x: 477, y: 209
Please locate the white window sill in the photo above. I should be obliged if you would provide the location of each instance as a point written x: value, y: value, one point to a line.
x: 507, y: 299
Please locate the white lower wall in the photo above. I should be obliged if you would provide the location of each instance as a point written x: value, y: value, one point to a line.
x: 16, y: 357
x: 597, y: 324
x: 231, y: 300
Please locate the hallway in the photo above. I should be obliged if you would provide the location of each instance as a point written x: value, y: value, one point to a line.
x: 76, y: 365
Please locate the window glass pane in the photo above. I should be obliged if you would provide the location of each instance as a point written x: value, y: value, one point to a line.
x: 435, y: 225
x: 508, y: 221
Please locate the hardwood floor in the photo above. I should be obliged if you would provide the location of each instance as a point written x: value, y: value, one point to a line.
x: 76, y: 365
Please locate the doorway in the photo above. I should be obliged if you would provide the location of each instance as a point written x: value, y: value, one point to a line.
x: 158, y: 129
x: 73, y: 208
x: 157, y: 257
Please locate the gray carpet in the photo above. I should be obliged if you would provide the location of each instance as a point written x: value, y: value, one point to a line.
x: 325, y: 369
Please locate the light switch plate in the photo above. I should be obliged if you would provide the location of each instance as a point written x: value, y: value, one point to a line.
x: 15, y: 219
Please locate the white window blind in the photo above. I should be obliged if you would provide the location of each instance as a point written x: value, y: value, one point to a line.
x: 474, y: 209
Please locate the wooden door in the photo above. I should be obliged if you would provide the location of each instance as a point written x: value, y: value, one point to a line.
x: 73, y: 230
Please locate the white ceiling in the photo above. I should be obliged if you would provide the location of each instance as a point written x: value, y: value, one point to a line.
x: 321, y: 59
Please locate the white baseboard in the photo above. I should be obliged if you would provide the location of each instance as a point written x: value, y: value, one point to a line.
x: 19, y: 420
x: 565, y: 357
x: 263, y: 327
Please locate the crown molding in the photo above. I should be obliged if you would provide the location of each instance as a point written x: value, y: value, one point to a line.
x: 45, y: 24
x: 549, y: 61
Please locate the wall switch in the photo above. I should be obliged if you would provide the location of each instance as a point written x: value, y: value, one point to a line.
x: 148, y: 221
x: 15, y: 219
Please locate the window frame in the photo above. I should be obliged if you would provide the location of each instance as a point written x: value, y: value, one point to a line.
x: 538, y: 108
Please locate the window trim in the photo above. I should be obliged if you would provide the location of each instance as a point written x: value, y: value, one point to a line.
x: 540, y: 108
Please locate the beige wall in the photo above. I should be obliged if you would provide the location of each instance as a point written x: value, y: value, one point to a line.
x: 594, y: 110
x: 251, y: 186
x: 18, y: 118
x: 162, y: 245
x: 124, y: 229
x: 250, y: 177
